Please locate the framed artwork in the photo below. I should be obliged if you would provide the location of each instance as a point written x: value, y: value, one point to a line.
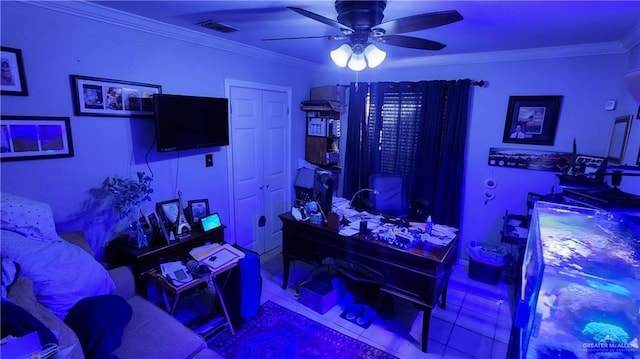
x: 34, y: 138
x: 94, y: 96
x: 168, y: 212
x: 198, y: 208
x: 552, y: 161
x: 532, y: 119
x: 13, y: 80
x: 619, y: 136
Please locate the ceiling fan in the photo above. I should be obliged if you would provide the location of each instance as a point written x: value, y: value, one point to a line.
x: 360, y: 22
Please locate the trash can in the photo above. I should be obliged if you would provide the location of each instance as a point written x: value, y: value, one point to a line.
x: 486, y: 262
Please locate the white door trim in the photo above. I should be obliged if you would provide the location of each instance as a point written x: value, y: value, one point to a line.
x: 228, y: 84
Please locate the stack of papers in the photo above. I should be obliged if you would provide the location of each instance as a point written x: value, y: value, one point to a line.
x: 203, y: 252
x: 223, y: 257
x: 441, y: 235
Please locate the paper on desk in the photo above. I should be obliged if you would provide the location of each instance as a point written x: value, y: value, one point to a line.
x: 199, y: 253
x: 223, y: 256
x: 438, y: 241
x: 441, y: 230
x: 348, y: 231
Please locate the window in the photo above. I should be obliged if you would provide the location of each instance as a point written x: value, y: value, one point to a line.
x: 393, y: 128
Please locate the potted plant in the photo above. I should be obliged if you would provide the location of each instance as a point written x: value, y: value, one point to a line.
x: 127, y: 195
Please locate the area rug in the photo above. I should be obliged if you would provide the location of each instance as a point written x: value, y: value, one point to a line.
x: 277, y: 332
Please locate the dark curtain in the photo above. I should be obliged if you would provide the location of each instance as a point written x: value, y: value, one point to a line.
x: 417, y: 129
x: 354, y: 155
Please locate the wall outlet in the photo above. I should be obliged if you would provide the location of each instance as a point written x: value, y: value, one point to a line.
x: 208, y: 160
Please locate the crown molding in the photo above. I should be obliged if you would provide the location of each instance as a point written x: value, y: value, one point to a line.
x: 633, y: 38
x: 131, y: 21
x: 511, y: 55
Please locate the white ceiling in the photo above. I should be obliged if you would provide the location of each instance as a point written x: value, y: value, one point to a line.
x: 488, y: 26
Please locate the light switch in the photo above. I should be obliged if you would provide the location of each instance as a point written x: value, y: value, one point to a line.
x: 610, y: 105
x: 208, y: 160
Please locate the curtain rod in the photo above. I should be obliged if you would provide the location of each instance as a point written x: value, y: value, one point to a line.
x: 479, y: 83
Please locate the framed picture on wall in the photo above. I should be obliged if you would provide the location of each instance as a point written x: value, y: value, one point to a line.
x: 13, y: 80
x: 619, y: 137
x: 532, y: 119
x: 94, y: 96
x: 34, y: 138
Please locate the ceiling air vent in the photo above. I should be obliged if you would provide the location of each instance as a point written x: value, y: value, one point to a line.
x: 216, y: 26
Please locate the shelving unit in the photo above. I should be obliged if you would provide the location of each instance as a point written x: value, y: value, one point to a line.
x: 323, y: 132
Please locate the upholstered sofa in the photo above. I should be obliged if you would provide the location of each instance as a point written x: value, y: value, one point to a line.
x: 149, y: 333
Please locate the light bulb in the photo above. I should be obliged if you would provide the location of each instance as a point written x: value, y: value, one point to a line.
x: 340, y: 56
x: 357, y: 62
x: 374, y: 55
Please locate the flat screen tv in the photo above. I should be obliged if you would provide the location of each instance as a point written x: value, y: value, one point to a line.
x: 188, y: 122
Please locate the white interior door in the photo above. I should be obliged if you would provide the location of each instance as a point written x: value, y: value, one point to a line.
x: 247, y: 172
x: 276, y: 135
x: 259, y: 164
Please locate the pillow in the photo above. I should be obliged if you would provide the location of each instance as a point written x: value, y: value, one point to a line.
x: 31, y: 218
x: 62, y: 273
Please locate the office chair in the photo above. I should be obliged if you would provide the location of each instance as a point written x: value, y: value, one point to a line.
x: 391, y: 198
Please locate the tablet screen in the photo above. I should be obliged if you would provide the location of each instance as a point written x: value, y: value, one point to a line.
x: 210, y: 222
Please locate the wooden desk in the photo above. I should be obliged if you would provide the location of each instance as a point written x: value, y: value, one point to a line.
x: 417, y: 275
x: 141, y: 260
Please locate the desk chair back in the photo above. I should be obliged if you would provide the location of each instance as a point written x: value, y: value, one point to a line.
x: 391, y: 198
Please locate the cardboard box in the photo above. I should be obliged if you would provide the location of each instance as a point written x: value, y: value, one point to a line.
x: 318, y: 300
x: 329, y: 93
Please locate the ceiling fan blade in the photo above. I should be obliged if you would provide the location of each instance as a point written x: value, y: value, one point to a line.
x: 328, y: 37
x: 322, y: 19
x: 419, y: 22
x: 411, y: 42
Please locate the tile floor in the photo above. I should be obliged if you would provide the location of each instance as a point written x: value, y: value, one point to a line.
x: 476, y: 323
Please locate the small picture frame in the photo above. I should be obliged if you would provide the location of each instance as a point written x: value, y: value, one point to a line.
x: 532, y: 120
x: 198, y: 208
x: 152, y: 220
x: 152, y: 223
x: 34, y: 138
x: 93, y: 96
x: 168, y: 212
x: 166, y: 233
x: 13, y: 80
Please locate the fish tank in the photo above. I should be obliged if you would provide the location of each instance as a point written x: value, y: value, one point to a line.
x: 580, y: 289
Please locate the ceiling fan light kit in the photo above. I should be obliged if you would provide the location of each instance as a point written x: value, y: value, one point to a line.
x: 374, y: 55
x: 361, y: 23
x: 357, y: 58
x: 341, y: 55
x: 357, y: 62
